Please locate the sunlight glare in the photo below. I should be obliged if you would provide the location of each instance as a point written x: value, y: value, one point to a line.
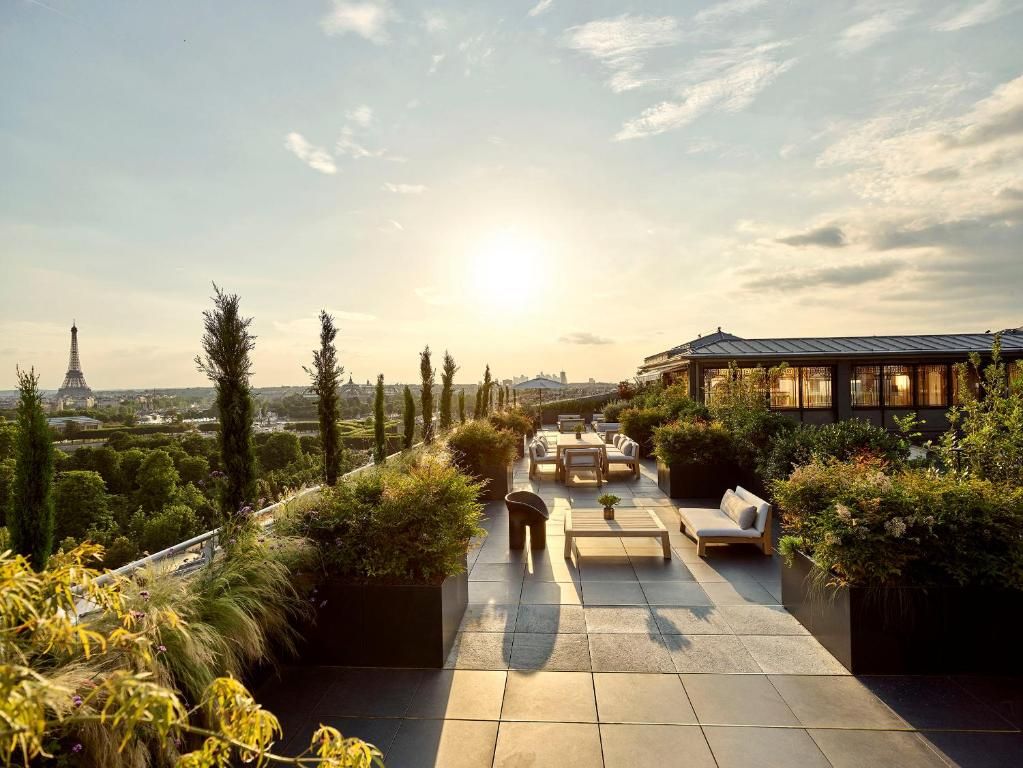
x: 504, y: 269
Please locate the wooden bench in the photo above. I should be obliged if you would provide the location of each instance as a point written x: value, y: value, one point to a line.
x: 628, y: 523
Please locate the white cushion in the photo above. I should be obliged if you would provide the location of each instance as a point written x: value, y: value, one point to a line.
x: 713, y: 522
x: 618, y: 440
x: 762, y: 506
x: 581, y: 459
x: 617, y: 457
x: 740, y: 510
x: 630, y: 448
x: 539, y: 449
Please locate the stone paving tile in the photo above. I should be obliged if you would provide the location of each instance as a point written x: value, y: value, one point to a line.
x: 628, y: 697
x: 379, y: 732
x: 709, y: 653
x: 978, y: 750
x: 792, y: 655
x: 368, y: 692
x: 934, y: 703
x: 548, y: 745
x: 551, y: 619
x: 480, y: 650
x: 855, y: 749
x: 613, y: 593
x: 656, y: 568
x: 459, y: 694
x: 551, y: 593
x: 1003, y: 693
x: 690, y: 620
x: 684, y: 593
x: 737, y: 700
x: 764, y: 748
x: 665, y: 746
x: 629, y: 653
x: 497, y: 572
x: 552, y: 569
x: 826, y: 701
x: 494, y: 592
x: 761, y: 620
x: 489, y: 618
x: 633, y: 618
x: 567, y: 653
x: 565, y: 697
x: 447, y: 743
x: 738, y: 593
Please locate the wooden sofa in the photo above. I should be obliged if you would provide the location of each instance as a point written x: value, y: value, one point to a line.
x: 712, y: 526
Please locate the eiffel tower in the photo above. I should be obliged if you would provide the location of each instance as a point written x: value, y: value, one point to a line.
x: 74, y: 391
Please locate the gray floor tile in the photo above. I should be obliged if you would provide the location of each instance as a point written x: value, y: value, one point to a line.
x: 462, y: 693
x: 489, y: 618
x: 934, y: 703
x: 551, y: 652
x: 855, y: 749
x: 629, y: 653
x: 761, y: 620
x: 723, y: 654
x: 368, y: 692
x: 443, y: 744
x: 629, y: 697
x: 978, y: 750
x: 551, y: 593
x: 675, y: 593
x: 737, y: 700
x: 548, y: 745
x: 764, y: 748
x: 551, y: 619
x: 665, y: 746
x: 656, y: 568
x: 591, y: 573
x: 691, y: 620
x: 834, y: 701
x: 619, y: 618
x: 494, y: 592
x: 497, y: 572
x: 550, y: 696
x: 481, y: 650
x: 557, y: 569
x: 613, y: 593
x: 792, y: 655
x: 738, y: 593
x: 379, y: 732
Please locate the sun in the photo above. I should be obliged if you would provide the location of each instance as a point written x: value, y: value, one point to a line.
x: 503, y: 270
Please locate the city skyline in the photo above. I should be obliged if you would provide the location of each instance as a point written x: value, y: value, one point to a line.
x: 577, y: 184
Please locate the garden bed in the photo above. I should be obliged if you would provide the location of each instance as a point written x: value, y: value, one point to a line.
x: 696, y: 481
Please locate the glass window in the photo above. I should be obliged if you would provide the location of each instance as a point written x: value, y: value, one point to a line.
x: 712, y: 379
x: 932, y: 385
x: 898, y: 386
x: 865, y: 386
x: 816, y: 386
x: 785, y: 390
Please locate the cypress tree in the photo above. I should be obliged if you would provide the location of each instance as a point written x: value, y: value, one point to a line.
x: 461, y: 405
x: 326, y: 378
x: 227, y: 344
x: 409, y: 419
x: 477, y: 412
x: 488, y: 394
x: 31, y: 515
x: 447, y: 378
x: 500, y: 398
x: 515, y: 398
x: 426, y: 374
x: 380, y: 449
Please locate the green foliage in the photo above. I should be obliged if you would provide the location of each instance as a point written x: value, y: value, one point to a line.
x: 409, y: 419
x: 426, y: 375
x: 8, y: 439
x: 404, y: 522
x: 741, y: 403
x: 486, y: 394
x: 865, y: 525
x: 30, y: 521
x: 447, y: 379
x: 226, y: 347
x: 694, y: 443
x: 478, y: 446
x: 613, y: 410
x: 193, y: 469
x: 6, y: 488
x: 380, y: 448
x: 513, y: 420
x: 461, y: 406
x: 278, y: 450
x: 121, y: 551
x: 843, y: 440
x: 81, y: 505
x: 500, y: 398
x: 986, y: 438
x: 608, y: 500
x: 477, y: 411
x: 584, y: 406
x: 171, y: 525
x: 107, y: 462
x: 157, y: 480
x: 640, y: 423
x: 326, y: 383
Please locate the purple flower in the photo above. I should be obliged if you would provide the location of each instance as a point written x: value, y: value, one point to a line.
x: 76, y: 700
x: 144, y: 594
x: 161, y: 649
x: 138, y: 615
x: 77, y: 747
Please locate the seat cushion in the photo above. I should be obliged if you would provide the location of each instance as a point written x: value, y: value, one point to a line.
x: 713, y: 522
x: 630, y: 448
x: 616, y: 457
x: 740, y: 510
x: 763, y: 508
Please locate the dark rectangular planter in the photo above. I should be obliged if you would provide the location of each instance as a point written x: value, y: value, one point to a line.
x: 689, y: 481
x: 379, y: 625
x: 499, y: 483
x: 908, y: 630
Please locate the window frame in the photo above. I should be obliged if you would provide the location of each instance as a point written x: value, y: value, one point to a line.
x: 802, y: 399
x: 884, y: 405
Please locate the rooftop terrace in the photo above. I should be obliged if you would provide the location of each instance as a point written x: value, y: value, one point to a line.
x: 619, y: 658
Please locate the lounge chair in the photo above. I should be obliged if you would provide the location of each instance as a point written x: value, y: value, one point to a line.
x: 526, y: 510
x: 741, y: 518
x: 626, y: 453
x: 607, y: 429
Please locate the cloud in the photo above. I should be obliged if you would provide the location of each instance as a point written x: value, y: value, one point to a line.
x: 435, y: 22
x: 435, y: 62
x: 726, y: 11
x: 826, y: 237
x: 367, y: 19
x: 405, y: 189
x: 584, y: 337
x: 347, y: 145
x: 315, y: 157
x: 734, y: 78
x: 998, y: 116
x: 868, y: 32
x: 844, y: 276
x: 1002, y: 227
x: 940, y: 174
x: 541, y: 7
x: 972, y: 14
x: 433, y: 296
x: 620, y: 44
x: 361, y: 115
x: 1010, y: 193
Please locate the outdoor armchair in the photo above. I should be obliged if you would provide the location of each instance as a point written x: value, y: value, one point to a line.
x: 583, y: 458
x: 539, y: 456
x: 526, y: 510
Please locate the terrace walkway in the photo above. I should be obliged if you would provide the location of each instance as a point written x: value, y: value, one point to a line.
x: 624, y: 660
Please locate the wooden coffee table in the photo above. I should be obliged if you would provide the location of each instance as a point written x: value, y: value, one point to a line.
x: 628, y: 523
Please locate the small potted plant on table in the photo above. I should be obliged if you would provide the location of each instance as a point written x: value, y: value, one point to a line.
x: 579, y: 432
x: 608, y: 500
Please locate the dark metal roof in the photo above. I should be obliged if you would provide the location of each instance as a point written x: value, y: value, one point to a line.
x: 940, y: 344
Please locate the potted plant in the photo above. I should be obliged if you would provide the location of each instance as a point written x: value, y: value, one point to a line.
x: 694, y: 459
x: 485, y: 453
x: 391, y: 583
x: 608, y: 501
x: 579, y: 432
x: 514, y: 420
x: 904, y: 571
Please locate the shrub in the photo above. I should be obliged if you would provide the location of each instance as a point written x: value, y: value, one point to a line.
x: 121, y: 551
x: 696, y: 442
x: 614, y: 409
x: 171, y: 525
x: 80, y: 503
x: 30, y: 518
x: 404, y: 522
x: 278, y: 450
x: 478, y: 445
x: 639, y: 424
x: 866, y: 526
x: 513, y: 420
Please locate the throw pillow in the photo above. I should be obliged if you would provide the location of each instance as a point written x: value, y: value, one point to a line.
x: 743, y: 513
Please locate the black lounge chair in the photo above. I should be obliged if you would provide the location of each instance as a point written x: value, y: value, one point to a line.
x: 525, y: 508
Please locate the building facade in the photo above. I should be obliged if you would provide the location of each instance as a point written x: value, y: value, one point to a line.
x: 828, y: 379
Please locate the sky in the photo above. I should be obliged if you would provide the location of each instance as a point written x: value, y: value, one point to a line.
x: 536, y: 185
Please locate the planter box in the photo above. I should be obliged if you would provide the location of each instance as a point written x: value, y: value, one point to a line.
x: 377, y: 625
x: 908, y: 630
x: 499, y: 482
x: 688, y: 481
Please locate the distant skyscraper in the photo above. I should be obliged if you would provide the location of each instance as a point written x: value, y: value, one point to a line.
x: 74, y: 392
x: 564, y: 378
